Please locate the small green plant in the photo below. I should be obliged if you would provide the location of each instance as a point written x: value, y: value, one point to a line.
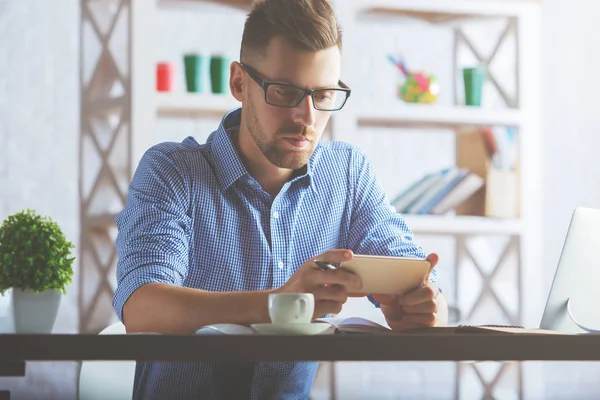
x: 34, y: 254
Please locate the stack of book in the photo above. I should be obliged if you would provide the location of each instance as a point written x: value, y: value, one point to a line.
x: 438, y: 192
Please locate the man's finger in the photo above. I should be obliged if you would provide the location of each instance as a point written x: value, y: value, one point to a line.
x: 433, y: 260
x: 417, y: 296
x: 387, y: 299
x: 336, y: 256
x: 429, y: 306
x: 333, y: 292
x: 350, y: 281
x: 392, y: 312
x: 428, y: 319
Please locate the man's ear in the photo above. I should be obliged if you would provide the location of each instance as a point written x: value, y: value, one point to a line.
x: 236, y: 81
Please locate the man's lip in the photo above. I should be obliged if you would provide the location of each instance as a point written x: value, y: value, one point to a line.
x: 298, y: 138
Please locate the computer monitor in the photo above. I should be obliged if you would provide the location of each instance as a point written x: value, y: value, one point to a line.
x: 573, y: 305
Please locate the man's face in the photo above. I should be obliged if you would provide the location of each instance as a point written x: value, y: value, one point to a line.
x: 288, y: 136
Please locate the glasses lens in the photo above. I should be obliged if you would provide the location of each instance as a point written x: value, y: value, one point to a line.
x: 289, y: 96
x: 283, y: 95
x: 329, y: 99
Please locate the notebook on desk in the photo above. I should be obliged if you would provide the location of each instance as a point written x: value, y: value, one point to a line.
x: 351, y: 325
x: 360, y: 325
x: 329, y: 326
x: 481, y: 329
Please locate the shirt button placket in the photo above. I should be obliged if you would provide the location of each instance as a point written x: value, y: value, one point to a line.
x: 280, y: 266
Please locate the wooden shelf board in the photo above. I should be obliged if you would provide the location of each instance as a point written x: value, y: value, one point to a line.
x: 462, y: 225
x: 243, y: 5
x: 108, y: 105
x: 429, y: 10
x: 423, y: 115
x: 100, y: 221
x: 440, y: 11
x: 192, y: 104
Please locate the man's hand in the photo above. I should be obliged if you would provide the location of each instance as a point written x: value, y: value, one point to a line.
x: 423, y: 307
x: 330, y: 288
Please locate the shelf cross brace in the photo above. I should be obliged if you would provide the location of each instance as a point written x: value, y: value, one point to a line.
x: 511, y: 29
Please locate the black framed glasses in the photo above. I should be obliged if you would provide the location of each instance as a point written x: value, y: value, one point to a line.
x: 289, y: 96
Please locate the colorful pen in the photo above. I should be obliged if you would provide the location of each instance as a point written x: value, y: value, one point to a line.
x: 325, y: 266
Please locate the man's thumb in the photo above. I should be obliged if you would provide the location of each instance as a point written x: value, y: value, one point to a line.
x: 433, y: 260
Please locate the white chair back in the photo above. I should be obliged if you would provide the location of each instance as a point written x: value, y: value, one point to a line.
x: 101, y: 380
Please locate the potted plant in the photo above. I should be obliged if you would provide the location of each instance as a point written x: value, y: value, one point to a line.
x: 36, y: 262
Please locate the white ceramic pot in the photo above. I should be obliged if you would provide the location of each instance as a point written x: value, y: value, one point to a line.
x: 35, y: 313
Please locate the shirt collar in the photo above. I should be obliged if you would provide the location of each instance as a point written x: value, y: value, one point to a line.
x: 230, y: 167
x: 309, y: 175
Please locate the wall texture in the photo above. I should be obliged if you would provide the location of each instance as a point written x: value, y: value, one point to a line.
x: 39, y: 116
x: 571, y: 127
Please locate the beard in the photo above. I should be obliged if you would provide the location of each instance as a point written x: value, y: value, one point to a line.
x: 282, y: 158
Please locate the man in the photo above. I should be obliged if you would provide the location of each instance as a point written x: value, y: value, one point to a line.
x: 211, y: 229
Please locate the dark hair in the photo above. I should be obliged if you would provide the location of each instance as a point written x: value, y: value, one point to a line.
x: 306, y: 24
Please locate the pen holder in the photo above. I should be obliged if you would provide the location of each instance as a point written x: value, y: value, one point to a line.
x: 501, y: 193
x: 419, y: 87
x: 499, y: 197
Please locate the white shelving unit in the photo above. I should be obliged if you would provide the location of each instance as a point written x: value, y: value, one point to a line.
x: 140, y: 106
x: 420, y: 115
x: 521, y: 236
x: 193, y: 105
x: 462, y: 225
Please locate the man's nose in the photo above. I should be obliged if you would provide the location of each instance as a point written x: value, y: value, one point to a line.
x: 304, y: 113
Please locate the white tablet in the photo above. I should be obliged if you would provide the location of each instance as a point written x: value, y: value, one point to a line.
x: 388, y: 275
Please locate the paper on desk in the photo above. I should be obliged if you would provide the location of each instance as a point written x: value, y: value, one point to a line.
x: 481, y: 329
x: 355, y: 324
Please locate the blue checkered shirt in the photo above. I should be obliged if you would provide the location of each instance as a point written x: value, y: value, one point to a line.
x: 195, y: 217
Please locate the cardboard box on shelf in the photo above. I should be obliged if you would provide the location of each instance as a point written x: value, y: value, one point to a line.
x: 499, y: 197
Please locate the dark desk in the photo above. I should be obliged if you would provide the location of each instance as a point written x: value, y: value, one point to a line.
x: 395, y: 347
x: 16, y: 368
x: 16, y: 349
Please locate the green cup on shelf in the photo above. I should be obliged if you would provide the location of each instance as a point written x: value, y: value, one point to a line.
x: 219, y: 73
x: 194, y: 65
x: 474, y: 78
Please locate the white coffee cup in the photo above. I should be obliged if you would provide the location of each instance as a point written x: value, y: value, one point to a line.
x: 291, y: 308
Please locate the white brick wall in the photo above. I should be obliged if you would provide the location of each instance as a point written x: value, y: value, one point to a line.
x: 39, y: 117
x: 39, y: 114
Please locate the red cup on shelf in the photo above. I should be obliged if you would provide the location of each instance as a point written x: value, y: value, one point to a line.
x: 164, y: 77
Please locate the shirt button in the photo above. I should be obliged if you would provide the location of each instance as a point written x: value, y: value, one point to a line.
x: 280, y: 265
x: 275, y: 215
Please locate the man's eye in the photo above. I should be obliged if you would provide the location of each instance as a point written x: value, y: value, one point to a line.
x: 325, y: 95
x: 286, y: 92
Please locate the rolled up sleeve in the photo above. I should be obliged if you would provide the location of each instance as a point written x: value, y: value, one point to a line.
x: 154, y: 228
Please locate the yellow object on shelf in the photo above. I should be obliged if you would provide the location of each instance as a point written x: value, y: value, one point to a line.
x: 419, y: 87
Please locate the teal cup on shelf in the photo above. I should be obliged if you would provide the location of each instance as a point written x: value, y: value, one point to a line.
x: 474, y: 79
x: 219, y: 73
x: 194, y: 66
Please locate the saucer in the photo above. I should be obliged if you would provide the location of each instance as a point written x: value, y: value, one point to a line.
x: 292, y: 329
